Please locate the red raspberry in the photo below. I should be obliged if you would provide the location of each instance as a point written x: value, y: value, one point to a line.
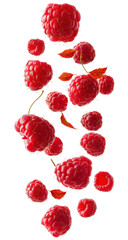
x: 37, y: 132
x: 92, y: 121
x: 74, y: 173
x: 83, y: 89
x: 37, y: 74
x: 106, y: 84
x: 36, y: 46
x: 84, y: 52
x: 57, y: 101
x: 37, y: 191
x: 56, y: 147
x: 103, y: 181
x: 93, y: 143
x: 61, y: 22
x: 86, y: 207
x: 57, y: 220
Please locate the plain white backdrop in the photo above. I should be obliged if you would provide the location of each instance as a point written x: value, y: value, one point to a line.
x: 104, y: 25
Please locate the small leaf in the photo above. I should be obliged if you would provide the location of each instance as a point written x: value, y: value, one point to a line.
x: 67, y: 53
x: 98, y: 73
x: 64, y: 121
x: 58, y: 194
x: 65, y: 76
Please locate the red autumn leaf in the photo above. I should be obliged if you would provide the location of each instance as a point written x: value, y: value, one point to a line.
x: 98, y: 73
x: 64, y: 121
x: 58, y: 194
x: 67, y: 53
x: 65, y: 76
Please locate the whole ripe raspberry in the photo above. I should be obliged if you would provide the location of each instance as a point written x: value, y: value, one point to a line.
x: 56, y: 147
x: 92, y: 121
x: 86, y: 207
x: 84, y: 52
x: 83, y: 89
x: 61, y: 22
x: 103, y: 181
x: 37, y: 191
x: 74, y: 173
x: 57, y: 101
x: 93, y: 143
x: 57, y: 220
x: 106, y: 84
x: 37, y: 74
x: 37, y: 132
x: 36, y: 46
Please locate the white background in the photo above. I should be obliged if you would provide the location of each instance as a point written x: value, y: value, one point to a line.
x: 104, y: 25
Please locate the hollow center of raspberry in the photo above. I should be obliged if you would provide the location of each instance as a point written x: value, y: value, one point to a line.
x: 101, y: 180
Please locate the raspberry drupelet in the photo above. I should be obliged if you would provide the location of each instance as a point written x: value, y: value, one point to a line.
x: 103, y: 181
x: 92, y: 121
x: 61, y: 22
x: 84, y: 52
x: 56, y: 101
x: 106, y: 84
x: 36, y: 47
x: 55, y: 148
x: 86, y: 207
x: 37, y: 191
x: 57, y: 220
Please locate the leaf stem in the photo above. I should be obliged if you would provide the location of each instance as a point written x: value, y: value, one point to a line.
x: 34, y: 102
x: 53, y: 163
x: 81, y: 62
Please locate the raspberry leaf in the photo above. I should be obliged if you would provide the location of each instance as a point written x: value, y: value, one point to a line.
x: 65, y: 76
x: 98, y: 73
x: 58, y: 194
x: 64, y: 121
x: 67, y: 53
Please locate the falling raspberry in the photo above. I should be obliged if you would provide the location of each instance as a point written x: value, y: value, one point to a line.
x: 84, y: 52
x: 36, y: 47
x: 37, y: 191
x: 86, y: 207
x: 56, y: 148
x: 92, y: 121
x: 103, y: 181
x: 57, y: 101
x: 106, y: 84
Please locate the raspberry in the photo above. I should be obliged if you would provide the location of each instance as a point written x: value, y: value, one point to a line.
x: 37, y: 132
x: 93, y: 143
x: 56, y: 147
x: 86, y: 207
x: 57, y: 101
x: 103, y: 181
x: 57, y: 220
x: 106, y: 84
x: 92, y: 121
x: 36, y: 46
x: 84, y: 52
x: 37, y: 191
x: 37, y: 74
x: 83, y: 89
x: 61, y: 22
x: 74, y: 173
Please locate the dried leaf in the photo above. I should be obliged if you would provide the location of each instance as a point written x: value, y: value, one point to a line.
x: 67, y: 53
x: 64, y: 122
x: 98, y: 73
x: 58, y: 194
x: 65, y: 76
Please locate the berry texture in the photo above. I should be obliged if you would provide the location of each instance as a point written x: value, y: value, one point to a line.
x: 36, y: 46
x: 93, y: 143
x: 37, y: 74
x: 57, y: 101
x: 106, y: 84
x: 86, y: 207
x: 57, y: 220
x: 92, y: 121
x: 84, y: 52
x: 74, y: 173
x: 61, y: 22
x: 103, y: 181
x: 56, y: 148
x: 83, y: 89
x: 37, y: 191
x: 37, y: 132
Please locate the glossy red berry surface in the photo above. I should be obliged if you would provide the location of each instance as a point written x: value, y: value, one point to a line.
x: 37, y: 132
x: 103, y: 181
x: 37, y: 74
x: 57, y: 101
x: 74, y: 173
x: 86, y: 207
x: 56, y: 147
x: 57, y: 220
x: 61, y: 22
x: 106, y: 84
x: 37, y: 191
x: 83, y: 89
x: 92, y: 121
x: 36, y: 46
x: 93, y: 143
x: 84, y: 52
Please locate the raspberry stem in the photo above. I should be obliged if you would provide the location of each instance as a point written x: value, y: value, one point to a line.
x: 34, y: 102
x: 53, y: 163
x: 81, y: 62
